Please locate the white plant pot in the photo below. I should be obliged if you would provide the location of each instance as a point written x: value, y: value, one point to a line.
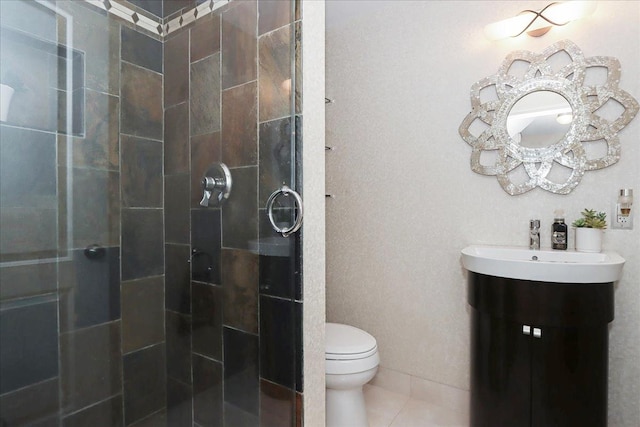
x: 588, y: 239
x: 6, y: 93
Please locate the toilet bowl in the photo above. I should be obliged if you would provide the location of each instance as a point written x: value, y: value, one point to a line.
x: 351, y: 360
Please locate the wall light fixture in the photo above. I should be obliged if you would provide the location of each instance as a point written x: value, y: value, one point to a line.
x: 538, y: 23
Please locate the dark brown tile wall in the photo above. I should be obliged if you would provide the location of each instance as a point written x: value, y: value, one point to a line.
x: 273, y: 14
x: 86, y: 380
x: 22, y: 150
x: 164, y: 8
x: 206, y: 312
x: 176, y: 139
x: 241, y: 383
x: 193, y: 316
x: 176, y: 205
x: 28, y: 345
x: 28, y: 205
x: 27, y: 280
x: 142, y: 313
x: 177, y: 278
x: 90, y: 291
x: 105, y: 413
x: 96, y: 202
x: 151, y: 6
x: 205, y: 150
x: 141, y: 172
x: 205, y: 95
x: 240, y: 284
x: 99, y: 37
x: 179, y: 403
x: 99, y: 148
x: 177, y: 342
x: 275, y: 74
x: 28, y: 233
x: 38, y: 403
x: 276, y: 405
x: 278, y: 320
x: 275, y: 156
x: 105, y: 362
x: 207, y: 391
x: 176, y: 48
x: 240, y: 130
x: 178, y: 333
x: 141, y: 50
x: 142, y: 143
x: 141, y: 102
x: 240, y: 212
x: 157, y: 419
x: 239, y: 44
x: 145, y: 382
x: 205, y: 37
x: 234, y: 122
x: 172, y: 6
x: 205, y: 245
x: 142, y: 243
x: 236, y: 416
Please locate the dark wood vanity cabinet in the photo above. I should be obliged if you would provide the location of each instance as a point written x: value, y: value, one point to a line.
x: 539, y: 352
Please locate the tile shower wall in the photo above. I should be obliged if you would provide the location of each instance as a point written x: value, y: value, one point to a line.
x: 164, y: 8
x: 231, y: 336
x: 203, y: 342
x: 82, y: 339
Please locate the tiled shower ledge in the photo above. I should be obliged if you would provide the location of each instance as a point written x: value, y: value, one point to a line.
x: 161, y: 27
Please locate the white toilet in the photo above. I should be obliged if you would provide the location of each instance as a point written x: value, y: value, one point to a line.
x: 351, y: 357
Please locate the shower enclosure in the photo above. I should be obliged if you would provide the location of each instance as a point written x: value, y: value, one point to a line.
x: 123, y: 301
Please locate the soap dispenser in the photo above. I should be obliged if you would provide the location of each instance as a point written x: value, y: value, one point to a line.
x: 559, y: 232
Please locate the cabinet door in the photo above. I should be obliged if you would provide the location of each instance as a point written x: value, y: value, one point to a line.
x: 569, y: 377
x: 500, y: 373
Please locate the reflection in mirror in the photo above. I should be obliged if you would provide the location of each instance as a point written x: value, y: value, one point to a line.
x: 539, y: 119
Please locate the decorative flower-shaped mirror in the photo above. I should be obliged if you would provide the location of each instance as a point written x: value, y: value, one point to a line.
x: 545, y: 119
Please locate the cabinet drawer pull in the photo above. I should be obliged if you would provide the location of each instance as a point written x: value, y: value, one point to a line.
x: 537, y: 332
x: 526, y: 329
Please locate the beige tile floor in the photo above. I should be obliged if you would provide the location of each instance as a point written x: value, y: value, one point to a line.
x: 389, y: 409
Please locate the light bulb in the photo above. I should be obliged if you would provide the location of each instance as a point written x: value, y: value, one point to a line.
x: 564, y: 118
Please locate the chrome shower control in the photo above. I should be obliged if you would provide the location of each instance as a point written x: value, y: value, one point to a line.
x: 216, y: 185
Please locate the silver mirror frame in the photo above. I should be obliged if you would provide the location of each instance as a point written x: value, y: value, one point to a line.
x: 570, y: 152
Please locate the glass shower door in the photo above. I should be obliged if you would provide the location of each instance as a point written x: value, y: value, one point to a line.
x: 60, y: 309
x: 123, y: 301
x: 260, y: 269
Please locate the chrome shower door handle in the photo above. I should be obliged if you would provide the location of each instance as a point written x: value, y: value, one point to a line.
x: 286, y: 192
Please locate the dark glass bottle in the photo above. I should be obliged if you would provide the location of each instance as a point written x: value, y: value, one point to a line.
x: 559, y: 234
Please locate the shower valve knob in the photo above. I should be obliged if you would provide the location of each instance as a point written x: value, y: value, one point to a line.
x: 216, y: 179
x: 205, y: 198
x: 209, y: 183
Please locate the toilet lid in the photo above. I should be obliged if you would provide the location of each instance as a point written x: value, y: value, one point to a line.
x: 347, y: 341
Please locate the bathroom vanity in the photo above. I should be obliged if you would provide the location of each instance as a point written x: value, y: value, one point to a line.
x: 539, y: 348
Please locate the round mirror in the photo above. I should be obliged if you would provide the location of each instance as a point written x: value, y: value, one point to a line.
x: 545, y: 120
x: 539, y: 119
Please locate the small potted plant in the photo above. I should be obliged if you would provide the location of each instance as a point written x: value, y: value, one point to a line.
x: 589, y: 230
